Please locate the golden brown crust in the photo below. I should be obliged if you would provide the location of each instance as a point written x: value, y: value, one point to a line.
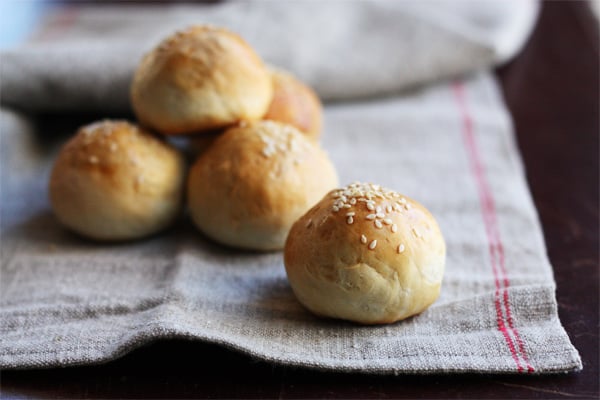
x: 366, y: 254
x: 295, y: 103
x: 200, y: 79
x: 254, y: 181
x: 115, y: 181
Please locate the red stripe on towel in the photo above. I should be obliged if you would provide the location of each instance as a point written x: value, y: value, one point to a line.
x: 506, y: 282
x: 496, y: 248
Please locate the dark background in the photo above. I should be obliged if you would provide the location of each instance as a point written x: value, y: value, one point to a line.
x: 552, y: 90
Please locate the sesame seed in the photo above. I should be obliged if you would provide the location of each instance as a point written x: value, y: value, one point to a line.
x: 378, y: 224
x: 350, y: 214
x: 370, y: 194
x: 113, y: 147
x: 363, y: 239
x: 350, y: 220
x: 407, y: 206
x: 335, y: 208
x: 400, y: 248
x: 373, y: 244
x: 416, y: 232
x: 394, y: 228
x: 266, y: 153
x: 93, y: 160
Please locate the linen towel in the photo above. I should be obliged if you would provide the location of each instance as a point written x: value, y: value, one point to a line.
x: 67, y: 301
x: 84, y: 57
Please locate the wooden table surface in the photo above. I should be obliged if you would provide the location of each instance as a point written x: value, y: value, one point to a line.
x: 552, y: 90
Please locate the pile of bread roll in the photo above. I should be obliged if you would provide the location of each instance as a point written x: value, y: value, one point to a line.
x: 260, y: 181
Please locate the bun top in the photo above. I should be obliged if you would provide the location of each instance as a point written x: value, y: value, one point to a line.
x: 295, y: 103
x: 367, y: 254
x: 255, y: 181
x: 117, y: 149
x: 199, y: 79
x: 115, y: 181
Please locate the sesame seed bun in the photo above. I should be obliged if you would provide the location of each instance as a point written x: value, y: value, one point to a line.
x: 295, y: 103
x: 200, y: 79
x: 115, y: 181
x: 255, y: 180
x: 366, y: 254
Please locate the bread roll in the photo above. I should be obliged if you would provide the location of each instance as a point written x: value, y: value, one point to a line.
x: 115, y: 181
x: 199, y: 79
x: 366, y: 254
x: 251, y: 185
x: 295, y: 103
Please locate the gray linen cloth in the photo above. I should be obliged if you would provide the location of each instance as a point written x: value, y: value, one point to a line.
x: 67, y: 301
